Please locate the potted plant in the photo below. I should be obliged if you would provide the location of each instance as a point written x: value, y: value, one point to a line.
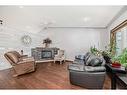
x: 95, y: 51
x: 108, y: 55
x: 123, y: 58
x: 117, y: 61
x: 47, y: 42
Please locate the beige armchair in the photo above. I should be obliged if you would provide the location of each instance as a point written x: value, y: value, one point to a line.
x: 21, y: 64
x: 60, y: 56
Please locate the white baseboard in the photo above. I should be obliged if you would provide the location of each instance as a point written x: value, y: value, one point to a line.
x: 41, y: 61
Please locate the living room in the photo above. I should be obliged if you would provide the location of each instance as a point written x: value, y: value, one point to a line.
x: 52, y: 43
x: 76, y: 40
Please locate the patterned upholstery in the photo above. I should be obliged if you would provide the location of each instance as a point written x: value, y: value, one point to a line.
x: 60, y: 56
x: 94, y: 60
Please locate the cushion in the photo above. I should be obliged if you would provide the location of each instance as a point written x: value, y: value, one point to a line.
x: 12, y: 57
x: 26, y: 60
x: 91, y: 56
x: 78, y: 61
x: 16, y: 53
x: 96, y: 62
x: 82, y: 57
x: 88, y: 54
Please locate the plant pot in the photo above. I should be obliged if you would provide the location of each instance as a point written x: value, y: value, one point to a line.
x: 116, y: 65
x: 46, y: 45
x: 107, y: 58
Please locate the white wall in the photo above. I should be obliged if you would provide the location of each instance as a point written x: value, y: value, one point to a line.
x: 76, y: 40
x: 73, y: 40
x: 10, y: 39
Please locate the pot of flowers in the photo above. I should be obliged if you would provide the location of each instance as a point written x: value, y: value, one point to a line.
x: 107, y: 54
x: 116, y: 64
x: 95, y: 51
x: 47, y: 42
x: 120, y: 60
x: 123, y: 58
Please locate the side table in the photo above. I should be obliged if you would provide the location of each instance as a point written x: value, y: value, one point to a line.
x: 115, y: 75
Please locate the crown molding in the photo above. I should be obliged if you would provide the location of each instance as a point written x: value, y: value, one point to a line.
x: 117, y: 15
x: 77, y: 27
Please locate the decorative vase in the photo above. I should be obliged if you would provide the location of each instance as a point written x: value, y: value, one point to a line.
x: 46, y: 45
x: 21, y: 52
x: 47, y: 41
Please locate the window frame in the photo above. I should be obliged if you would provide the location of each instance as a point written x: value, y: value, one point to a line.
x: 113, y: 36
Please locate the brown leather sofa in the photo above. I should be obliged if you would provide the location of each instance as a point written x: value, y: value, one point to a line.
x: 21, y: 64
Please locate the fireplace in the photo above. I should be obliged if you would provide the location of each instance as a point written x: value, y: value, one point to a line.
x: 40, y: 53
x: 46, y: 54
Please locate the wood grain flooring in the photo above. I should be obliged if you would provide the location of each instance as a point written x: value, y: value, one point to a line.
x: 47, y: 76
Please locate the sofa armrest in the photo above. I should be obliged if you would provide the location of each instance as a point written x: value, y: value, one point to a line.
x: 76, y: 67
x: 25, y: 61
x: 78, y: 61
x: 80, y: 57
x: 24, y: 56
x: 95, y: 69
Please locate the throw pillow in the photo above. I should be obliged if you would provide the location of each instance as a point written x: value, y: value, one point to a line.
x: 96, y: 62
x: 90, y: 57
x: 87, y: 56
x: 12, y: 57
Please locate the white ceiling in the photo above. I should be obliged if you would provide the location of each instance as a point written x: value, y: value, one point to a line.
x: 60, y: 16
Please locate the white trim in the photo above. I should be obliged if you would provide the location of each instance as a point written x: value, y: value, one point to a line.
x: 117, y: 15
x: 78, y: 27
x: 43, y: 61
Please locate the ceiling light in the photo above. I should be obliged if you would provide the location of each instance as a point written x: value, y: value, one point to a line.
x: 86, y: 19
x: 28, y: 27
x: 21, y: 7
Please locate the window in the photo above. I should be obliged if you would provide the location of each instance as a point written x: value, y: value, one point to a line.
x: 119, y: 38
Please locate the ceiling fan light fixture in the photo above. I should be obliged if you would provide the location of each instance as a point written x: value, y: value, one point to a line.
x: 21, y: 7
x: 86, y: 19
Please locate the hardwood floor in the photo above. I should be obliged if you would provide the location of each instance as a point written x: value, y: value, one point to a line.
x: 47, y: 76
